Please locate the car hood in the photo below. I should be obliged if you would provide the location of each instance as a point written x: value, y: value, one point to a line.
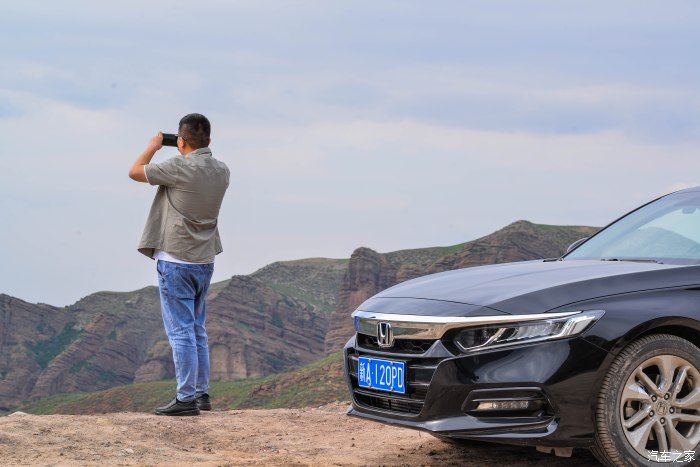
x: 526, y: 287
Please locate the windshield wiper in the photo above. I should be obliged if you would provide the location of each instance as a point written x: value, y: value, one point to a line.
x: 635, y: 260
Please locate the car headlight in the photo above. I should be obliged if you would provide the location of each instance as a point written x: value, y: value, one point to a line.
x: 470, y: 339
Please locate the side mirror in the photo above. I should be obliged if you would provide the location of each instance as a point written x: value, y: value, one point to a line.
x: 576, y: 244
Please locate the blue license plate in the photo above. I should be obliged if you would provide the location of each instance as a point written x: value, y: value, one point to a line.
x: 385, y: 375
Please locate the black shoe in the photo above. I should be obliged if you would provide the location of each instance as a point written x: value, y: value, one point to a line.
x: 179, y: 408
x: 203, y: 402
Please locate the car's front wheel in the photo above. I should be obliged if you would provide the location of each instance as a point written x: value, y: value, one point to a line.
x: 648, y: 408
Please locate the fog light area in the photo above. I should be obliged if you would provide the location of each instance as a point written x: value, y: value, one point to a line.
x: 504, y: 405
x: 507, y: 405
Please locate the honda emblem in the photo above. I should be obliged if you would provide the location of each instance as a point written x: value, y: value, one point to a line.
x: 385, y: 336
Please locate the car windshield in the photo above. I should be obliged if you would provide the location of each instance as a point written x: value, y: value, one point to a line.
x: 665, y: 231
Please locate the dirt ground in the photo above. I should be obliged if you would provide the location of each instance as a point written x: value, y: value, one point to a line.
x: 317, y: 436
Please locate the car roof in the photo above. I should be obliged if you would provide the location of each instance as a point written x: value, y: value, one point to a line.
x: 687, y: 190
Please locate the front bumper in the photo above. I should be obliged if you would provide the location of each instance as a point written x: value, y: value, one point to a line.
x: 441, y: 383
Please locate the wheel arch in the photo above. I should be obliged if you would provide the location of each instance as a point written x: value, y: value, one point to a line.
x: 686, y: 328
x: 688, y: 333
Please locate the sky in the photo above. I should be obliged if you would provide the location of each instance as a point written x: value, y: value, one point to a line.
x: 386, y: 124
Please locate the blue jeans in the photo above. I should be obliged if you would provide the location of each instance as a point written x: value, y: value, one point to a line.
x: 183, y: 288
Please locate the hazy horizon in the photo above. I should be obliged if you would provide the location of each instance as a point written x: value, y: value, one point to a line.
x: 390, y: 125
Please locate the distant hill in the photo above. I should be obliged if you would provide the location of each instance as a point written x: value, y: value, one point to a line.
x: 258, y: 325
x: 285, y: 315
x: 313, y: 280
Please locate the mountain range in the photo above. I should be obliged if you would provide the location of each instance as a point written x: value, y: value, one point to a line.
x: 287, y: 315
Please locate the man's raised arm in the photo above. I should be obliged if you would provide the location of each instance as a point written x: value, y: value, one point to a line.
x: 137, y: 171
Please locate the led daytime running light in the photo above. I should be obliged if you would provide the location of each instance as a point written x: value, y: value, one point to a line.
x: 471, y: 339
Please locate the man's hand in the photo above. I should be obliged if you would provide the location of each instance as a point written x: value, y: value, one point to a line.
x: 155, y: 143
x: 137, y: 171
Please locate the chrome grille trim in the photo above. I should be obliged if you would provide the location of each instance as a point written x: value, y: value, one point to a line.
x: 434, y: 327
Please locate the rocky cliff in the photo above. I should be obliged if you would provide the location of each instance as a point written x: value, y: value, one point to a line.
x: 31, y: 335
x: 257, y: 325
x: 253, y: 331
x: 115, y: 332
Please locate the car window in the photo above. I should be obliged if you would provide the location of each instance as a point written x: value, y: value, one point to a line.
x: 666, y: 230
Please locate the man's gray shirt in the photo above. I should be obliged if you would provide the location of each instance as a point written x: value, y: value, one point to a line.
x: 184, y: 214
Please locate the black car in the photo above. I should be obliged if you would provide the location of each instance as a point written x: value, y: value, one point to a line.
x: 596, y: 349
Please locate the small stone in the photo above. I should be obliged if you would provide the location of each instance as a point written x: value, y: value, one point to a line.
x: 18, y: 414
x: 129, y: 451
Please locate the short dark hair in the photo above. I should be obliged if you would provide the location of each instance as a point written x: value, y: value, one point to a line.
x: 195, y: 129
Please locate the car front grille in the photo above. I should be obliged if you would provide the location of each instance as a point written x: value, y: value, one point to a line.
x: 419, y: 372
x: 412, y: 346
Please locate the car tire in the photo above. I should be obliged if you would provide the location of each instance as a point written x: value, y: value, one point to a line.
x: 612, y: 439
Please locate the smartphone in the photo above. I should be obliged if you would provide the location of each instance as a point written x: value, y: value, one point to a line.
x: 169, y: 139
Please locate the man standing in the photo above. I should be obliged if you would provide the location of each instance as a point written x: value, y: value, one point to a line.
x: 181, y: 234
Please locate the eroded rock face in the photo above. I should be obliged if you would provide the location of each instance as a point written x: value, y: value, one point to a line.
x: 253, y: 331
x: 368, y: 273
x: 30, y: 335
x: 116, y: 332
x: 158, y: 364
x: 109, y: 339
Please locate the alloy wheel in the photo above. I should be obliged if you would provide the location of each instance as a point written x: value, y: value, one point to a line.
x: 660, y: 406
